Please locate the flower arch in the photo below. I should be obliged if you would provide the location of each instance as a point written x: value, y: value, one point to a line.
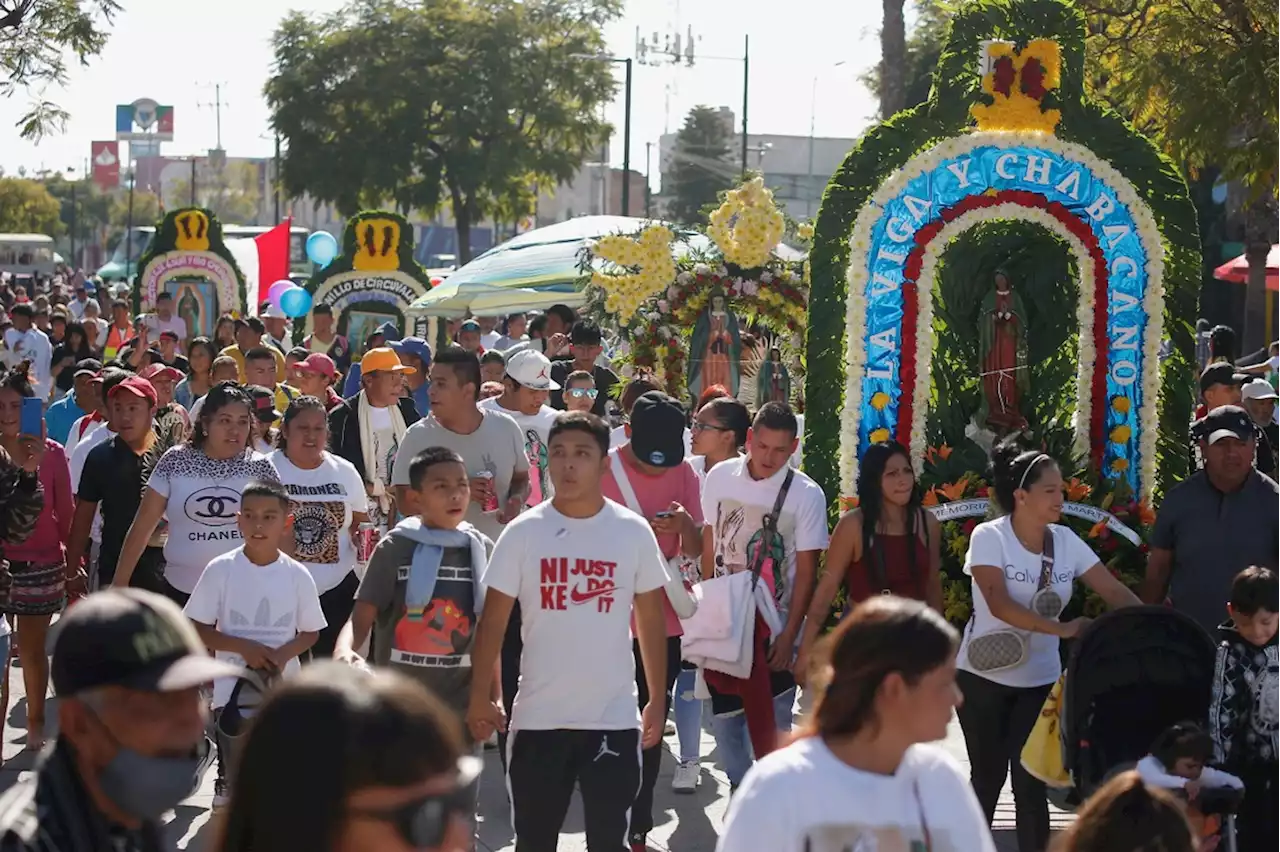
x: 1041, y: 153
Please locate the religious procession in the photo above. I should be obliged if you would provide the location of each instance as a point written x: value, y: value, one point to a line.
x: 939, y: 517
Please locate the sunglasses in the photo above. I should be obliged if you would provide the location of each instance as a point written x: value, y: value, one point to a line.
x: 424, y: 823
x: 583, y: 393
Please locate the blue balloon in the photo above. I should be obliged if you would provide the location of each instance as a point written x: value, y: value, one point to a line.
x: 322, y: 248
x: 295, y: 302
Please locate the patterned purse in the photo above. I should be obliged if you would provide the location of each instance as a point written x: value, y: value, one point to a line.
x: 1006, y: 648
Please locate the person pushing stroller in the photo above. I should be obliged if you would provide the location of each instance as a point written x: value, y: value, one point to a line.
x: 1245, y: 708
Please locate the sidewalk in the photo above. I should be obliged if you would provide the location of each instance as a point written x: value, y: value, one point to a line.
x: 682, y: 823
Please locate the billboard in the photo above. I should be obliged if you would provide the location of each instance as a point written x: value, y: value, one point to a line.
x: 144, y: 120
x: 105, y: 159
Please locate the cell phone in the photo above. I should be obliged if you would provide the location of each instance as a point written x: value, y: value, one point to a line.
x: 663, y: 514
x: 32, y: 420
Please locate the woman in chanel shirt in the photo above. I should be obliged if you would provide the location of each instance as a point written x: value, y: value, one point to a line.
x: 196, y: 489
x: 1024, y: 567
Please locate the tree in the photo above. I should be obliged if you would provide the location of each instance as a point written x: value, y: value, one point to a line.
x: 920, y: 56
x: 89, y: 212
x: 460, y: 102
x: 233, y: 192
x: 1201, y: 77
x: 893, y: 59
x: 26, y: 207
x: 702, y: 165
x: 147, y: 210
x: 35, y: 38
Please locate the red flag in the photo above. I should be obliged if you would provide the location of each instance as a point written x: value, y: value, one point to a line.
x: 273, y: 256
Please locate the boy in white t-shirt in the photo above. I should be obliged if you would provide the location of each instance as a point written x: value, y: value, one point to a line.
x: 256, y: 606
x: 577, y: 564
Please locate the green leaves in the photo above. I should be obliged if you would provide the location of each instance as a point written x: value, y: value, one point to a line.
x: 475, y: 104
x: 26, y: 207
x: 702, y: 166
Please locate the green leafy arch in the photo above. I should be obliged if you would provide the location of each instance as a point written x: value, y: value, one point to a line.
x: 887, y: 147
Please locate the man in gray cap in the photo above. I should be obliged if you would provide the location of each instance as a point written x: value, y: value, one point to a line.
x: 127, y: 667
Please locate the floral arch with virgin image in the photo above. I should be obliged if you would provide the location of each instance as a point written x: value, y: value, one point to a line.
x: 1006, y: 257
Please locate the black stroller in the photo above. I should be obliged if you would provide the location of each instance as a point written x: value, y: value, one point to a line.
x: 1133, y: 673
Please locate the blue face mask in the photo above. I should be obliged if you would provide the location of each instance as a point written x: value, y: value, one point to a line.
x: 147, y: 787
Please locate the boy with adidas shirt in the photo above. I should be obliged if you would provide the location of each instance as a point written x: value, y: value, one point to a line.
x: 578, y: 565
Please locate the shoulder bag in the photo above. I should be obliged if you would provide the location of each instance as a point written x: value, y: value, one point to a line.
x: 684, y: 604
x: 1006, y: 648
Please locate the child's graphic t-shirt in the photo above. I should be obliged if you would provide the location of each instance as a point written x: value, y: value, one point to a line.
x: 267, y: 604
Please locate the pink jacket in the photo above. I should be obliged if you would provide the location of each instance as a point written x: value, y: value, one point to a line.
x: 45, y: 546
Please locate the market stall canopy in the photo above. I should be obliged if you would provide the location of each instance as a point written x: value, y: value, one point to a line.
x: 550, y: 256
x: 1237, y: 270
x: 453, y: 299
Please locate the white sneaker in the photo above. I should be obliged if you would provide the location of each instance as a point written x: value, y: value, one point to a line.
x: 688, y: 774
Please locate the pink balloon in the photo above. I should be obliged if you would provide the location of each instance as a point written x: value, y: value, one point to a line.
x: 277, y: 290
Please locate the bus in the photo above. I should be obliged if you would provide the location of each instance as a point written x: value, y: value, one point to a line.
x: 27, y: 255
x: 118, y: 269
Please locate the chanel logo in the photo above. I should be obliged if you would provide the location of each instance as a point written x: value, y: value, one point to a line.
x: 214, y: 506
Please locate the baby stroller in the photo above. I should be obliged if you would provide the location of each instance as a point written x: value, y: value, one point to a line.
x: 1132, y: 673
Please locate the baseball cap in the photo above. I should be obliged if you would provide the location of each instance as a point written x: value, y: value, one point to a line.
x: 270, y: 311
x: 389, y: 331
x: 383, y: 358
x: 469, y: 325
x: 170, y: 333
x: 1221, y: 373
x: 415, y: 346
x: 139, y: 387
x: 531, y: 369
x: 87, y: 367
x: 1259, y: 389
x: 1225, y: 421
x: 130, y: 638
x: 264, y: 403
x: 657, y: 430
x: 152, y: 371
x: 318, y: 363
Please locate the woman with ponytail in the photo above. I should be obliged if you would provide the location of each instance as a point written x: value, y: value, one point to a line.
x: 866, y: 771
x: 1024, y: 566
x: 889, y: 544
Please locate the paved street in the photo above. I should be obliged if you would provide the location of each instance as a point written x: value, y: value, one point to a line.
x: 683, y: 823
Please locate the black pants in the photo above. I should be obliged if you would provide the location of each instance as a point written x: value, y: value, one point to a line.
x: 336, y: 604
x: 545, y: 765
x: 1256, y: 821
x: 997, y: 720
x: 651, y: 758
x: 512, y: 648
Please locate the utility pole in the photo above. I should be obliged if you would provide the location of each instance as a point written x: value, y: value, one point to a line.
x: 193, y: 181
x: 746, y: 82
x: 71, y: 171
x: 275, y: 178
x: 626, y: 145
x: 128, y: 231
x: 648, y: 192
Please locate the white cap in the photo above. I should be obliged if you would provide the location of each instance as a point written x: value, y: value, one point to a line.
x: 1259, y: 389
x: 271, y: 312
x: 531, y: 369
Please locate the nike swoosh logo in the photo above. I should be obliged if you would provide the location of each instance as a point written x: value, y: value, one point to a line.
x: 579, y: 596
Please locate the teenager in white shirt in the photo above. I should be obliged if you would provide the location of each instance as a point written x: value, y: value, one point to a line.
x: 578, y: 565
x: 866, y: 773
x: 526, y: 386
x: 25, y: 342
x: 1020, y: 587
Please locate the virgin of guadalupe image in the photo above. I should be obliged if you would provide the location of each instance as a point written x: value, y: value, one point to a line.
x: 1002, y: 348
x: 773, y: 382
x: 715, y: 350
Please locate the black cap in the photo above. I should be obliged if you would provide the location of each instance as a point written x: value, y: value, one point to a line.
x: 1221, y: 373
x: 1225, y: 421
x: 130, y: 638
x: 264, y: 403
x: 87, y: 366
x: 657, y: 430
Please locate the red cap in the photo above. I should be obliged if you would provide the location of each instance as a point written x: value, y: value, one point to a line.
x: 138, y: 386
x: 318, y: 363
x: 152, y: 371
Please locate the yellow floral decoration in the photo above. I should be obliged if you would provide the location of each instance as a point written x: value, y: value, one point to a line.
x: 649, y: 255
x: 748, y: 226
x: 1121, y: 434
x: 879, y: 436
x: 879, y: 400
x: 1017, y: 89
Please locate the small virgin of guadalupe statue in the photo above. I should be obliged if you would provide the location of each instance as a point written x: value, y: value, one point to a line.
x: 1002, y: 346
x: 773, y: 382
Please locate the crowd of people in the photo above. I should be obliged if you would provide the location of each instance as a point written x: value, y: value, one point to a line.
x: 506, y: 542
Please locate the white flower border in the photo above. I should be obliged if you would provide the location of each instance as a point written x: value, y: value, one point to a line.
x: 856, y: 303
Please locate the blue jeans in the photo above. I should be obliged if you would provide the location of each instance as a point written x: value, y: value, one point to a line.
x: 733, y: 743
x: 688, y: 713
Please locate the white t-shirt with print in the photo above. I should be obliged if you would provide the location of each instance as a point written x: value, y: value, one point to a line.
x: 268, y: 604
x: 174, y: 323
x: 322, y: 502
x: 575, y: 579
x: 734, y: 504
x: 994, y: 543
x: 202, y: 498
x: 803, y: 798
x: 537, y: 430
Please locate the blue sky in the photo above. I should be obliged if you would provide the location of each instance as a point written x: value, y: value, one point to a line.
x: 162, y: 50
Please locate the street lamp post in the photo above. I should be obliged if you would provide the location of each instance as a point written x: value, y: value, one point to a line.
x: 74, y: 266
x: 626, y: 127
x: 746, y: 82
x: 128, y: 232
x: 813, y: 116
x: 648, y: 193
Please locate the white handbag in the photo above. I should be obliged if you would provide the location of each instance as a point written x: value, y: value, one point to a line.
x: 684, y: 604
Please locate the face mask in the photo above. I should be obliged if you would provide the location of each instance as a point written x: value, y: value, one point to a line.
x: 147, y: 787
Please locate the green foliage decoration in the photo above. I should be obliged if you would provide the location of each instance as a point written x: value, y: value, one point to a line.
x: 887, y: 147
x: 167, y: 239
